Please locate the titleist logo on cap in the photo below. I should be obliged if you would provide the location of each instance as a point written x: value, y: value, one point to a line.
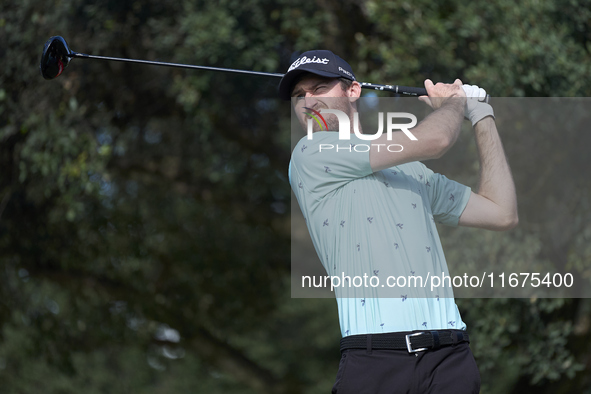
x: 306, y: 60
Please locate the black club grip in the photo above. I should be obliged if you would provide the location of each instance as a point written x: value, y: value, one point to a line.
x: 404, y: 90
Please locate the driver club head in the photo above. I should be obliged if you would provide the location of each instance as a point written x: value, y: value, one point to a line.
x: 54, y: 58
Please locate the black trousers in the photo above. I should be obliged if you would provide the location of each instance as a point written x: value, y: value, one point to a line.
x: 449, y: 369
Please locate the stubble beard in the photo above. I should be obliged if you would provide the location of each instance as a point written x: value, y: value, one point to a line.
x: 332, y: 122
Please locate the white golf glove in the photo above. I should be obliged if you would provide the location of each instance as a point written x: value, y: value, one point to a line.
x: 476, y: 108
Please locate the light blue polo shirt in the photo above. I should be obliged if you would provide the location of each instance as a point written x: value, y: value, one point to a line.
x: 380, y: 224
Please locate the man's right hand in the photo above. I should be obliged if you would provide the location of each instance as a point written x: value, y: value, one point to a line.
x: 435, y: 134
x: 439, y: 93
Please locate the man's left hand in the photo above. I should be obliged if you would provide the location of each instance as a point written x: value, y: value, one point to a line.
x: 476, y: 108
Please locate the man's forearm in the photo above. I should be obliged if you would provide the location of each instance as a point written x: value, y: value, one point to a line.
x: 447, y: 121
x: 496, y: 181
x: 435, y: 135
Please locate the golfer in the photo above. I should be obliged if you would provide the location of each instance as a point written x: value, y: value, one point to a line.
x: 373, y: 211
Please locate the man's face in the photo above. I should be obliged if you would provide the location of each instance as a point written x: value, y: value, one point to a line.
x: 317, y: 93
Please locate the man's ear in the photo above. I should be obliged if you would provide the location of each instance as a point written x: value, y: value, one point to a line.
x: 354, y: 91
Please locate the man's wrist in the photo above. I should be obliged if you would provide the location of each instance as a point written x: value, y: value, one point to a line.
x: 479, y: 112
x: 484, y: 123
x: 455, y: 104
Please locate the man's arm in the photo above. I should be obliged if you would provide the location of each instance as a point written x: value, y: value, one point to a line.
x: 494, y: 206
x: 435, y: 134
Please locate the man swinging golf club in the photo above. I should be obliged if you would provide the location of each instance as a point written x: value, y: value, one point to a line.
x: 374, y: 211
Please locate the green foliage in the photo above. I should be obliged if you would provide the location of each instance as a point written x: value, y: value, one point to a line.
x: 144, y: 212
x: 515, y: 49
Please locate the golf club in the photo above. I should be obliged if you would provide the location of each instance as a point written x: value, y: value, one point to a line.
x: 57, y: 55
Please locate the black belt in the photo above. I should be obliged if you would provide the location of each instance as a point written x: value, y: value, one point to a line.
x: 413, y: 341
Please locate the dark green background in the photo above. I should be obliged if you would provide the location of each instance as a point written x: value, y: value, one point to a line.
x: 144, y: 211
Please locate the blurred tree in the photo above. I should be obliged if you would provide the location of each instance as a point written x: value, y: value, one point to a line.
x: 144, y: 212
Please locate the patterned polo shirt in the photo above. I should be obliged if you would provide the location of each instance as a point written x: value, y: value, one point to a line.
x: 378, y: 224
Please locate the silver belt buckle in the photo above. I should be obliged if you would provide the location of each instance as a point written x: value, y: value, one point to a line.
x: 409, y: 347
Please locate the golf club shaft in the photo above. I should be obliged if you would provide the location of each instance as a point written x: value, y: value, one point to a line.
x: 177, y: 65
x: 404, y: 90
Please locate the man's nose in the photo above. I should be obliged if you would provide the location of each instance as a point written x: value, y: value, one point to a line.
x: 310, y: 100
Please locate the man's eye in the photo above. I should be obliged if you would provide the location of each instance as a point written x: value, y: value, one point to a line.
x: 319, y: 88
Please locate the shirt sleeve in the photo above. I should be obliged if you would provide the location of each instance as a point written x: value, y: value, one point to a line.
x: 448, y: 198
x: 326, y: 163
